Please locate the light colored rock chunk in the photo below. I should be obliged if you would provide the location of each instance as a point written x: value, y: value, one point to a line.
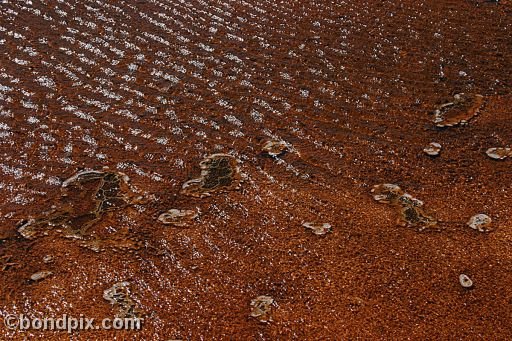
x: 499, y: 153
x: 275, y: 148
x: 318, y: 228
x: 465, y: 281
x: 433, y: 149
x: 480, y: 222
x: 177, y: 217
x: 40, y: 275
x: 261, y: 308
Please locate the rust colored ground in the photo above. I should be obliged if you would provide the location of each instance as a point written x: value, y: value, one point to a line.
x: 349, y: 85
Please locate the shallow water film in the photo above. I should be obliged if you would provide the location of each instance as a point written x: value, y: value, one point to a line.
x: 256, y: 169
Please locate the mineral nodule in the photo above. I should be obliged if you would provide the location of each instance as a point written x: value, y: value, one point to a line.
x: 219, y: 173
x: 459, y: 111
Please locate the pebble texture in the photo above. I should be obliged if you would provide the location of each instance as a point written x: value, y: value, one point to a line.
x: 154, y: 89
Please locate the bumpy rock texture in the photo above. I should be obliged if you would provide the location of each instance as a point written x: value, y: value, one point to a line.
x: 410, y: 210
x: 460, y: 110
x: 151, y: 88
x: 219, y: 173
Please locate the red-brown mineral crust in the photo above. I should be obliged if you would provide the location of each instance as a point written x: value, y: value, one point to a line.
x: 297, y: 108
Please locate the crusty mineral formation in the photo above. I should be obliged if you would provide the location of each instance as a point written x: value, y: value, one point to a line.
x: 460, y: 110
x: 219, y: 173
x: 409, y: 208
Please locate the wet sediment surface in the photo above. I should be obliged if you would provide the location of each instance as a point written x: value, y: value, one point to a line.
x: 213, y: 167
